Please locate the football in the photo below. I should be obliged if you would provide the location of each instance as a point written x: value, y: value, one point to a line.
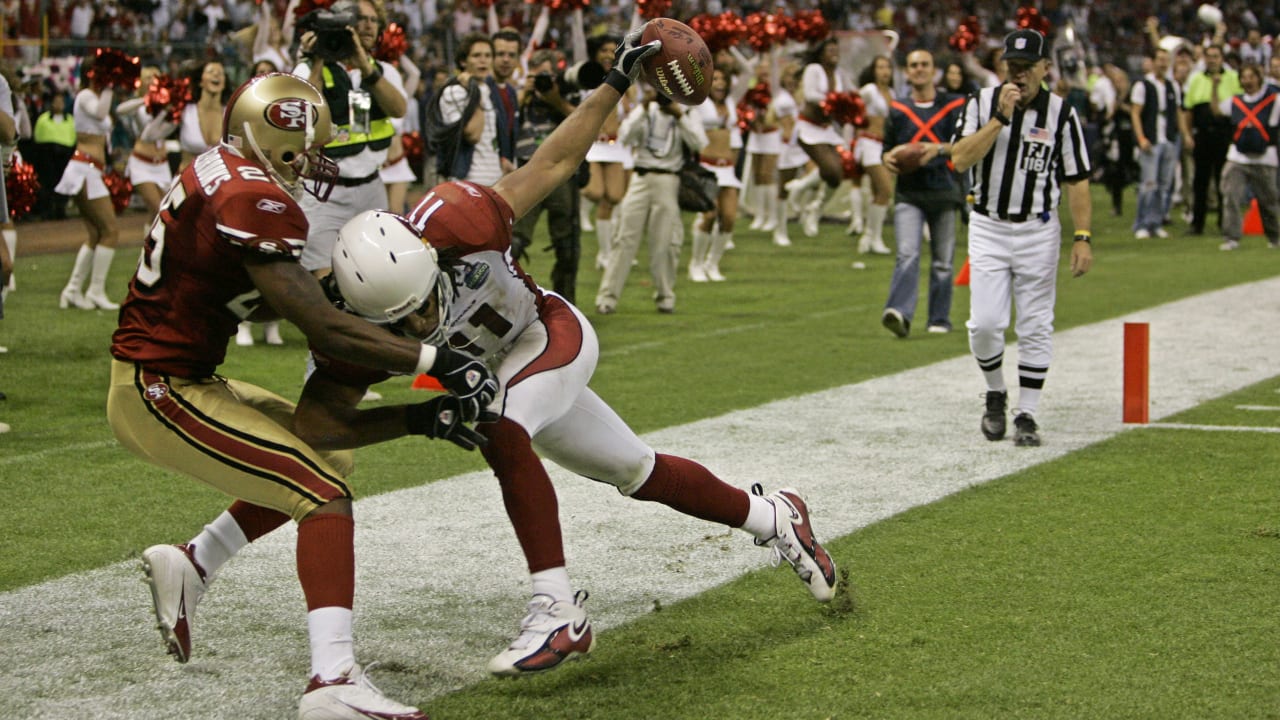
x: 681, y: 70
x: 910, y: 157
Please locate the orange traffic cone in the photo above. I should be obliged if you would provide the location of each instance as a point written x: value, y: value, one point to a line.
x: 1252, y: 219
x: 962, y: 277
x: 426, y: 382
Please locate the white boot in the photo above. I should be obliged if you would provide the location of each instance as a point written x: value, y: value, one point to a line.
x: 244, y: 334
x: 757, y: 209
x: 73, y: 293
x: 768, y: 207
x: 586, y: 209
x: 11, y: 240
x: 798, y: 187
x: 698, y: 259
x: 812, y: 215
x: 719, y: 242
x: 780, y: 236
x: 604, y: 242
x: 873, y: 237
x: 97, y: 293
x: 271, y: 332
x: 856, y: 221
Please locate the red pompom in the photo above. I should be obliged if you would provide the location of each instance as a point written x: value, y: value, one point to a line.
x: 721, y: 31
x: 412, y: 144
x: 120, y: 188
x: 652, y: 9
x: 764, y: 30
x: 392, y: 44
x: 849, y: 162
x: 112, y: 68
x: 966, y: 36
x: 562, y: 5
x: 808, y: 26
x: 21, y: 187
x: 747, y: 116
x: 166, y: 95
x: 846, y: 108
x: 306, y: 6
x: 1030, y: 18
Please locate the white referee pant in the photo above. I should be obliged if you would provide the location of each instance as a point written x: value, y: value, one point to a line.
x: 1015, y: 261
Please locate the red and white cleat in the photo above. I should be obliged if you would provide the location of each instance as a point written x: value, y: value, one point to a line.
x: 351, y: 697
x: 177, y: 583
x: 551, y: 633
x: 796, y: 544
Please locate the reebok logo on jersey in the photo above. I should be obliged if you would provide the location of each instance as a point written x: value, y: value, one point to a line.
x: 271, y: 206
x: 157, y: 391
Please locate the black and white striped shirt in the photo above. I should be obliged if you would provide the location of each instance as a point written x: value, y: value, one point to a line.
x: 1020, y: 178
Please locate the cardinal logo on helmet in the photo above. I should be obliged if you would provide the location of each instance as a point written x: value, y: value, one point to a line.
x: 291, y: 113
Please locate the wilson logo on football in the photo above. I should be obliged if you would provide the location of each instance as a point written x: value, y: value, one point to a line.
x: 291, y: 113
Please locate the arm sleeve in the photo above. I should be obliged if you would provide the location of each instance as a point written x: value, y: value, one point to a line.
x: 968, y: 124
x: 1075, y: 153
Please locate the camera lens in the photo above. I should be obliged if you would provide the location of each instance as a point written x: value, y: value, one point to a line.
x: 543, y: 82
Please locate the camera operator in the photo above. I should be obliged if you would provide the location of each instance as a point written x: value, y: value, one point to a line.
x: 336, y: 49
x: 542, y: 108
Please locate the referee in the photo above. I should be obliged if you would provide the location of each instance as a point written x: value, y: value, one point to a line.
x: 1019, y: 140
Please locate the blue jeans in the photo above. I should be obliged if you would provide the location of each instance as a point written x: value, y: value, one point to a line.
x: 908, y: 229
x: 1155, y: 185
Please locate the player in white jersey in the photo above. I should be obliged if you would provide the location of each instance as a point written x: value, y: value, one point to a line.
x: 1020, y: 139
x: 544, y: 351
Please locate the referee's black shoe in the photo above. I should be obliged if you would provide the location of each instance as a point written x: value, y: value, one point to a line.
x: 993, y: 419
x: 1024, y: 431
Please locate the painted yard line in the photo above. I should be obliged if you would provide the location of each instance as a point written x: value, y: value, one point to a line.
x: 441, y: 582
x: 66, y: 449
x: 1259, y: 408
x: 1212, y: 428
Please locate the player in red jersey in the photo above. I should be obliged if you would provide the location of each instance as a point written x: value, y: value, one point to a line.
x: 224, y: 248
x: 544, y: 351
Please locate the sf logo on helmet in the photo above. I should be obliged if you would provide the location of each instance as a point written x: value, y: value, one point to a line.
x: 291, y: 113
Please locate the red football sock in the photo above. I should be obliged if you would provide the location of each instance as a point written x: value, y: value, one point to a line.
x: 527, y: 493
x: 690, y: 488
x: 327, y: 560
x: 255, y: 520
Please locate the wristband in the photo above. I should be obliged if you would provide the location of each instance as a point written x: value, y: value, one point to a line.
x: 426, y: 358
x: 1084, y: 236
x: 944, y: 150
x: 617, y: 80
x: 1000, y: 117
x: 372, y: 77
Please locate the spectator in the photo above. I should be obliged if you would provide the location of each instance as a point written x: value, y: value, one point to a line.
x: 659, y: 130
x: 929, y: 196
x: 1255, y: 50
x: 55, y: 142
x: 1154, y: 110
x: 1252, y: 163
x: 956, y: 80
x: 506, y: 64
x: 1118, y: 142
x: 478, y: 157
x: 363, y: 95
x: 542, y: 108
x: 1211, y: 131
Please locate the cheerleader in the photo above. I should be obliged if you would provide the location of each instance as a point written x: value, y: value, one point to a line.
x: 819, y: 134
x: 713, y: 230
x: 877, y: 96
x: 83, y: 181
x: 792, y: 158
x: 148, y: 167
x: 396, y: 173
x: 200, y: 126
x: 764, y: 143
x: 609, y: 161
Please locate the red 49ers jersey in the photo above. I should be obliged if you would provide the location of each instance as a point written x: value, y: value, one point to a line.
x: 191, y: 288
x: 494, y: 300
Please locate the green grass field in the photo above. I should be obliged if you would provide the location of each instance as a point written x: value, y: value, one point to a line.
x: 1134, y: 579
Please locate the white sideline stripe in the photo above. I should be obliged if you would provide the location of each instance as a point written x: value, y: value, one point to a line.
x: 63, y: 450
x: 441, y: 581
x: 1213, y: 428
x: 1259, y: 408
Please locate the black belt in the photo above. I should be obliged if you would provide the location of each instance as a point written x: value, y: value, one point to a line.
x: 357, y: 182
x: 659, y: 171
x: 1043, y: 217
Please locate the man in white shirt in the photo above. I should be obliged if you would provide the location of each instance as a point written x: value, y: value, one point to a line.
x: 1157, y: 124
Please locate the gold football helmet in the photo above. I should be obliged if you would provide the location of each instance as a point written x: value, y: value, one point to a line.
x: 284, y: 122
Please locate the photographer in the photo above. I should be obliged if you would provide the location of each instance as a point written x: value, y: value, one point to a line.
x: 336, y: 49
x: 542, y: 108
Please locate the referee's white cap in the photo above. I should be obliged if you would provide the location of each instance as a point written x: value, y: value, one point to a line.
x: 1026, y: 45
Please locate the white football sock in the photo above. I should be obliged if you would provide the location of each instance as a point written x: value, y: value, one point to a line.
x: 332, y: 644
x: 554, y: 583
x: 760, y: 518
x: 1028, y: 400
x: 217, y: 543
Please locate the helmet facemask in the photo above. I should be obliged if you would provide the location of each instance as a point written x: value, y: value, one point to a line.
x: 292, y: 170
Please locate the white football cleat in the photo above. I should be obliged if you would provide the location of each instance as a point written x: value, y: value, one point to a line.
x: 177, y: 583
x: 796, y: 544
x: 351, y: 697
x: 551, y: 633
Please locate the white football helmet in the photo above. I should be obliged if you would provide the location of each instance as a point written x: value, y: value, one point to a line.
x: 284, y: 122
x: 384, y: 270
